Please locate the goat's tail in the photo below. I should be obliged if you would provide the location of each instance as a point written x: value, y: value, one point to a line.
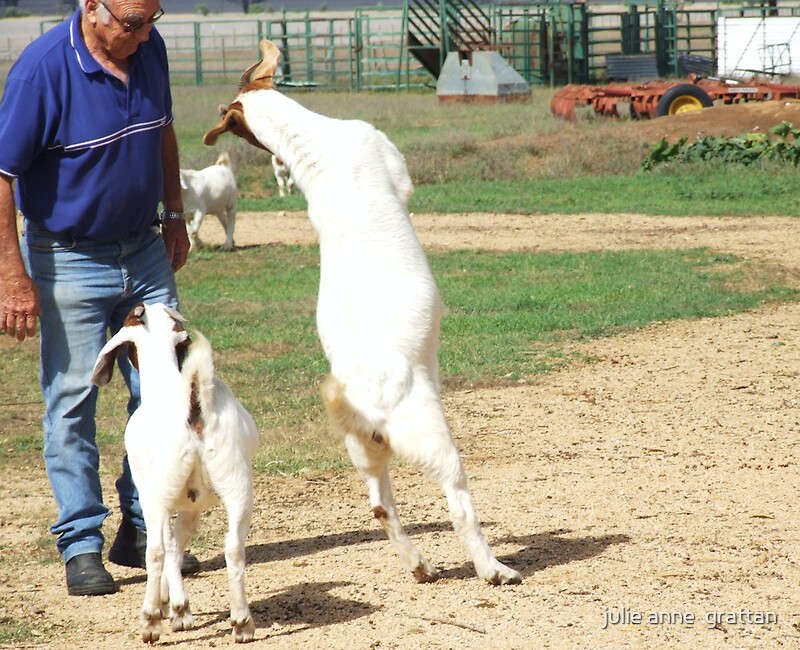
x: 198, y: 370
x: 223, y: 159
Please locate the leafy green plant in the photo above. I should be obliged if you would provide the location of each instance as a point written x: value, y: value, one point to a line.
x: 781, y: 144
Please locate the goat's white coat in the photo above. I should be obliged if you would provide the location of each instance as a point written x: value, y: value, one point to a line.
x: 177, y: 468
x: 211, y: 190
x: 283, y: 176
x: 378, y: 309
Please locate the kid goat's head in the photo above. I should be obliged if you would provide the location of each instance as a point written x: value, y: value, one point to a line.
x: 147, y: 327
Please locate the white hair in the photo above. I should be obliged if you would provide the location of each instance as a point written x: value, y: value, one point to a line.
x: 101, y: 10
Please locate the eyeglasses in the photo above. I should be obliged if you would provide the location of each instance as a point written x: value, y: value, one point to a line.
x: 134, y: 23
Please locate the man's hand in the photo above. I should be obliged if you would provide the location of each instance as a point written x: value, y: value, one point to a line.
x: 177, y: 241
x: 19, y: 306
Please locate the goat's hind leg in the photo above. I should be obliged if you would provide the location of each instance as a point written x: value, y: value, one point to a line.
x: 424, y: 439
x: 194, y: 229
x: 371, y: 459
x: 228, y: 222
x: 468, y: 528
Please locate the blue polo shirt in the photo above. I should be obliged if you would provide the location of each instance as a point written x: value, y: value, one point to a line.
x: 84, y: 147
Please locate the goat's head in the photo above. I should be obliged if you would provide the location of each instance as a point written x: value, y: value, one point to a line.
x: 259, y: 76
x: 156, y: 320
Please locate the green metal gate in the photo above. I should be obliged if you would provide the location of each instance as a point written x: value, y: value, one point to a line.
x: 548, y: 43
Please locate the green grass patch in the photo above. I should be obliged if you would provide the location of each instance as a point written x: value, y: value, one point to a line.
x: 513, y: 315
x: 689, y: 190
x: 510, y: 316
x: 705, y: 190
x: 13, y: 632
x: 502, y: 158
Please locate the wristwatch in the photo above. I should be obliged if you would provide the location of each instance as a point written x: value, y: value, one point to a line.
x: 169, y: 215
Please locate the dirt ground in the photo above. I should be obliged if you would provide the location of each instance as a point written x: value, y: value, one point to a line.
x: 649, y: 499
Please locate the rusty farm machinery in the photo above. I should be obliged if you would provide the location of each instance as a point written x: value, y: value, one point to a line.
x: 659, y: 98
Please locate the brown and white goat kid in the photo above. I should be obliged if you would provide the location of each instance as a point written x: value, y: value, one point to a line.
x: 189, y: 443
x: 378, y: 308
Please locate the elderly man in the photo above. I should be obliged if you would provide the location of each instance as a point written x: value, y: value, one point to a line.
x: 86, y: 133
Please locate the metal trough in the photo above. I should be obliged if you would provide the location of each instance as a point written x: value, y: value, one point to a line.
x: 482, y: 76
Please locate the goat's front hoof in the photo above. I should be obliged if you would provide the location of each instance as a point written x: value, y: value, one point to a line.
x: 181, y: 617
x: 244, y: 629
x: 151, y: 626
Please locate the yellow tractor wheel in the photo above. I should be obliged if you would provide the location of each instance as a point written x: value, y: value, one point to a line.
x: 683, y: 98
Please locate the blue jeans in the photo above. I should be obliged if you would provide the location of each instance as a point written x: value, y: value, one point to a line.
x: 87, y: 288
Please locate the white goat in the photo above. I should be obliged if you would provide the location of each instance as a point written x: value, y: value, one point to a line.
x: 378, y: 309
x: 211, y: 190
x: 189, y: 442
x: 282, y: 176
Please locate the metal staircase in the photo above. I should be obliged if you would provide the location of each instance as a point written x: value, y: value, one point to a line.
x: 436, y: 27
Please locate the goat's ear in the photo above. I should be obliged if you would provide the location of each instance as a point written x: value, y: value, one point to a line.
x: 234, y: 122
x: 175, y: 315
x: 229, y: 121
x: 182, y: 349
x: 104, y: 366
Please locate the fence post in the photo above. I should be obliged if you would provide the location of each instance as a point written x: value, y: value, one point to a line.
x: 356, y: 49
x: 309, y: 40
x: 286, y: 66
x: 570, y: 45
x: 551, y: 45
x: 198, y: 56
x: 444, y: 35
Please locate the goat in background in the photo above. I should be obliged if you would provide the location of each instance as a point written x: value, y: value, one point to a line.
x: 283, y: 176
x: 211, y: 190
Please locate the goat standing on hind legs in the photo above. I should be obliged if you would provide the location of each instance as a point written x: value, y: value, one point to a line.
x: 189, y: 442
x: 378, y: 308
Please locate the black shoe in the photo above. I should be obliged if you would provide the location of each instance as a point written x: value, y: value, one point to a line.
x: 86, y: 576
x: 129, y: 549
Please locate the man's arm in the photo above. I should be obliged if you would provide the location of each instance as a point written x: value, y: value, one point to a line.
x: 19, y: 299
x: 174, y: 231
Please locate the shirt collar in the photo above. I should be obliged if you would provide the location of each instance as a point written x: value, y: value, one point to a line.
x: 85, y: 60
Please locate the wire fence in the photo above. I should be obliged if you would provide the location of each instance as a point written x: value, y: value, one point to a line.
x: 361, y: 51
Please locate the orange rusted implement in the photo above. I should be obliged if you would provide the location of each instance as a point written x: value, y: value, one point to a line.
x: 658, y: 98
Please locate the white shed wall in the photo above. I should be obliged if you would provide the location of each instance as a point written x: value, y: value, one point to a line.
x: 752, y: 44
